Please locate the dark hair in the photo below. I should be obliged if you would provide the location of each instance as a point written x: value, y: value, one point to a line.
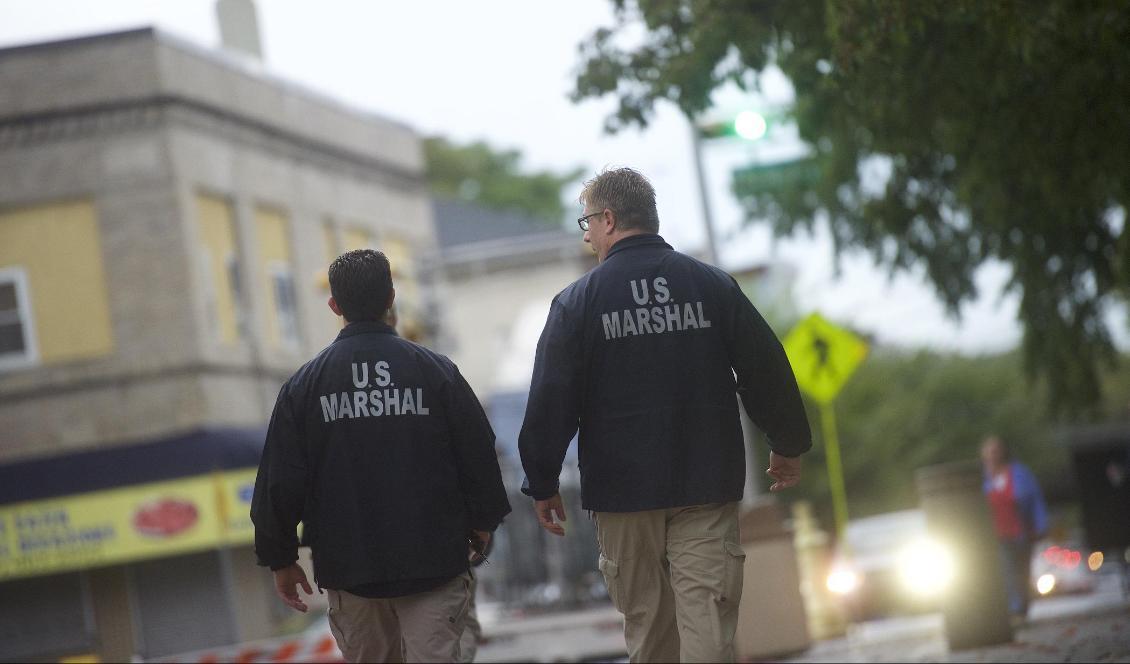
x: 1006, y: 453
x: 361, y: 283
x: 628, y: 194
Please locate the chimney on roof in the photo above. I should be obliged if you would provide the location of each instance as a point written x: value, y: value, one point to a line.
x: 239, y: 27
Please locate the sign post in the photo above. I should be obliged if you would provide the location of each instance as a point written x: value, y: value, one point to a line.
x: 823, y: 357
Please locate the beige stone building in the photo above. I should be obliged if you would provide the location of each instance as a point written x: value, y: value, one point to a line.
x: 499, y: 271
x: 167, y: 214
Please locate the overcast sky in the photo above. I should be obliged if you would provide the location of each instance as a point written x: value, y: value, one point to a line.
x: 501, y: 71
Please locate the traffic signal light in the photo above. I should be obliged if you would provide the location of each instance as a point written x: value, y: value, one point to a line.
x: 750, y: 125
x: 747, y: 125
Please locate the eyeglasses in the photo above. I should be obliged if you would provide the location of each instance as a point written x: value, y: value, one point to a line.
x: 583, y: 222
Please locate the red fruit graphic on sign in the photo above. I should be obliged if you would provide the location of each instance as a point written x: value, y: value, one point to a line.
x: 164, y: 517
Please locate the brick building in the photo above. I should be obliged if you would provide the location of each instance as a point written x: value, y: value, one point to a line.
x: 167, y: 214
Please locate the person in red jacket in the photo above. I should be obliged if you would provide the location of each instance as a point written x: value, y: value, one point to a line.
x: 1019, y: 517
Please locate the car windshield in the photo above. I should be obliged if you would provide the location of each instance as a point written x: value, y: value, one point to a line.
x: 884, y: 534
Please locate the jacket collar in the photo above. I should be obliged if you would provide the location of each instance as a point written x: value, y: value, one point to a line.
x: 365, y: 327
x: 641, y: 240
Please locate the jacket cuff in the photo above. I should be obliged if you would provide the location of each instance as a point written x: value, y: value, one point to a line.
x: 794, y: 452
x: 278, y: 561
x: 540, y: 494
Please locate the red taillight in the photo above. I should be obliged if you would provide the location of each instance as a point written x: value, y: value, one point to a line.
x: 1061, y: 557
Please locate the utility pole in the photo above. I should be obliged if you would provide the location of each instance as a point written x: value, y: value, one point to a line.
x: 703, y: 195
x: 753, y: 485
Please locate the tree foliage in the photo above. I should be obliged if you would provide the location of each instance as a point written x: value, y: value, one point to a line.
x: 1005, y: 125
x: 902, y: 411
x: 494, y: 179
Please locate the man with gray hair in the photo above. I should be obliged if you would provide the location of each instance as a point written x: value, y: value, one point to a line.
x: 640, y: 355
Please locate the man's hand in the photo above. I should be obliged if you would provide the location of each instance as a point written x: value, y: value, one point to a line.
x: 784, y: 470
x: 478, y: 543
x: 546, y: 509
x: 286, y: 581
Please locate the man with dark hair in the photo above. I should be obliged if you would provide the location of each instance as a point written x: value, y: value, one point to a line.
x: 380, y: 448
x: 641, y: 354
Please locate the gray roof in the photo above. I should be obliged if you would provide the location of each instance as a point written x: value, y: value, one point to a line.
x: 460, y: 223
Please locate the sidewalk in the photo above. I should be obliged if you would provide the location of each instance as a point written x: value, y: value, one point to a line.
x: 1095, y: 631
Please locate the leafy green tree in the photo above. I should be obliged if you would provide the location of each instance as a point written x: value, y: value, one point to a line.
x: 495, y: 179
x: 1005, y: 125
x: 904, y: 410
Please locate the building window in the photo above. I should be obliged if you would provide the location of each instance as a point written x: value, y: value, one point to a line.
x: 216, y: 220
x: 275, y: 276
x: 56, y: 249
x: 358, y: 238
x: 333, y: 249
x: 234, y: 280
x: 405, y: 278
x: 17, y: 335
x: 286, y: 304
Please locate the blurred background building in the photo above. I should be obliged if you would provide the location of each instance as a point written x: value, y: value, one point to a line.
x: 167, y: 214
x: 500, y: 270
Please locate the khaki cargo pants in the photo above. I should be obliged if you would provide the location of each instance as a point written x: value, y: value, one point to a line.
x: 676, y: 575
x: 425, y: 627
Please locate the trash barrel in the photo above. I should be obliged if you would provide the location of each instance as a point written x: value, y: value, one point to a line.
x: 771, y: 616
x: 974, y: 604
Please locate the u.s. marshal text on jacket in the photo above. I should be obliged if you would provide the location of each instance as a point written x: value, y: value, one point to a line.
x: 381, y: 449
x: 641, y: 354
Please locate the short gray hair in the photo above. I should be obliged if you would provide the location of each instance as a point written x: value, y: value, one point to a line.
x: 628, y: 194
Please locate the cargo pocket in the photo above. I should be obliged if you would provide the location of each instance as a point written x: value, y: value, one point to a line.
x: 735, y: 573
x: 334, y: 616
x: 727, y: 602
x: 611, y: 572
x: 460, y: 619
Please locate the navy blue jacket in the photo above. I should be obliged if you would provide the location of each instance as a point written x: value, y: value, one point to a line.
x: 641, y: 354
x: 383, y: 452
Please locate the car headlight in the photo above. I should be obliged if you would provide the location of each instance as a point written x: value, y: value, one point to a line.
x: 926, y: 567
x: 842, y: 581
x: 1045, y: 584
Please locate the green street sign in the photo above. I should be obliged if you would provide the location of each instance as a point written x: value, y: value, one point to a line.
x: 761, y: 178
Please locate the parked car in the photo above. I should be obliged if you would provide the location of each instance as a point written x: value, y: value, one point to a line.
x: 888, y: 565
x: 1060, y: 568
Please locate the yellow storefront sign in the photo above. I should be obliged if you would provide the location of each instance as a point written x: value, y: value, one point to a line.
x: 121, y: 525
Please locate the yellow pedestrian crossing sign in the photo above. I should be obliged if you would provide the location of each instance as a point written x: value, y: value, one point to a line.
x: 823, y: 356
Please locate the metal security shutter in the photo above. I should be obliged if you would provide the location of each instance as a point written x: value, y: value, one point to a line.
x: 45, y: 616
x: 181, y: 604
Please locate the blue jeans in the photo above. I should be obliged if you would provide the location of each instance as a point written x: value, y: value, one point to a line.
x: 1016, y: 564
